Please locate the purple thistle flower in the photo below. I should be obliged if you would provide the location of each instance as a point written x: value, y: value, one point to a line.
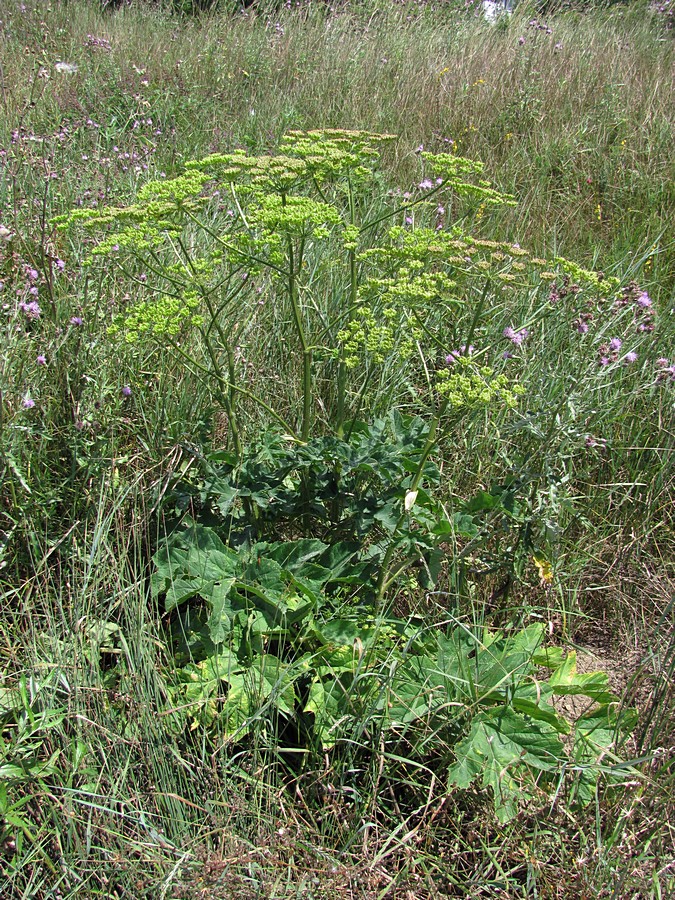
x: 76, y: 320
x: 425, y: 185
x: 615, y: 344
x: 31, y: 310
x: 581, y: 327
x: 34, y: 291
x: 604, y: 360
x: 644, y: 300
x: 28, y: 402
x: 630, y: 357
x: 516, y: 337
x: 126, y: 391
x: 41, y: 360
x: 60, y: 265
x: 521, y: 41
x: 454, y: 355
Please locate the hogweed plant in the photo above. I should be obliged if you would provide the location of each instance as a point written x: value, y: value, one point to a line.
x: 370, y: 276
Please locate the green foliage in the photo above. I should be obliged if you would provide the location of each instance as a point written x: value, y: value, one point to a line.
x: 271, y: 646
x: 342, y: 487
x: 396, y: 459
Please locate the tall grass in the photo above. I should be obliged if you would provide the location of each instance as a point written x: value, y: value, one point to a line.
x: 101, y: 794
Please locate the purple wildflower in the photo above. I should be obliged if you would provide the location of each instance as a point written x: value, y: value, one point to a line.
x: 516, y: 337
x: 644, y: 300
x: 454, y: 355
x: 60, y: 265
x: 76, y: 320
x: 425, y: 185
x: 581, y: 327
x: 126, y: 391
x: 521, y: 40
x: 604, y: 360
x: 615, y: 344
x: 630, y: 357
x: 31, y: 310
x: 41, y: 360
x: 28, y: 402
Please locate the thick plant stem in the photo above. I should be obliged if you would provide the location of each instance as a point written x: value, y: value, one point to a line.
x: 226, y: 395
x: 353, y: 290
x: 306, y: 349
x: 384, y: 580
x: 226, y: 387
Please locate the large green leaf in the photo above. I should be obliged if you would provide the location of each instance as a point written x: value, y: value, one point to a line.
x: 533, y: 698
x: 222, y: 613
x: 595, y: 736
x: 487, y: 666
x: 291, y: 555
x: 324, y: 701
x: 221, y: 688
x: 190, y: 563
x: 566, y: 680
x: 505, y: 748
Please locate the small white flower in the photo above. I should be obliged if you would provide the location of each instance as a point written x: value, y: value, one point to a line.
x: 64, y: 68
x: 5, y: 234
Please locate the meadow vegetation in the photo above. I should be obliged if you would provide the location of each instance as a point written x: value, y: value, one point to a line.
x: 336, y: 441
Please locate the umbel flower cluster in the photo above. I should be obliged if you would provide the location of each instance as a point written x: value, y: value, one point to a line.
x: 316, y: 228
